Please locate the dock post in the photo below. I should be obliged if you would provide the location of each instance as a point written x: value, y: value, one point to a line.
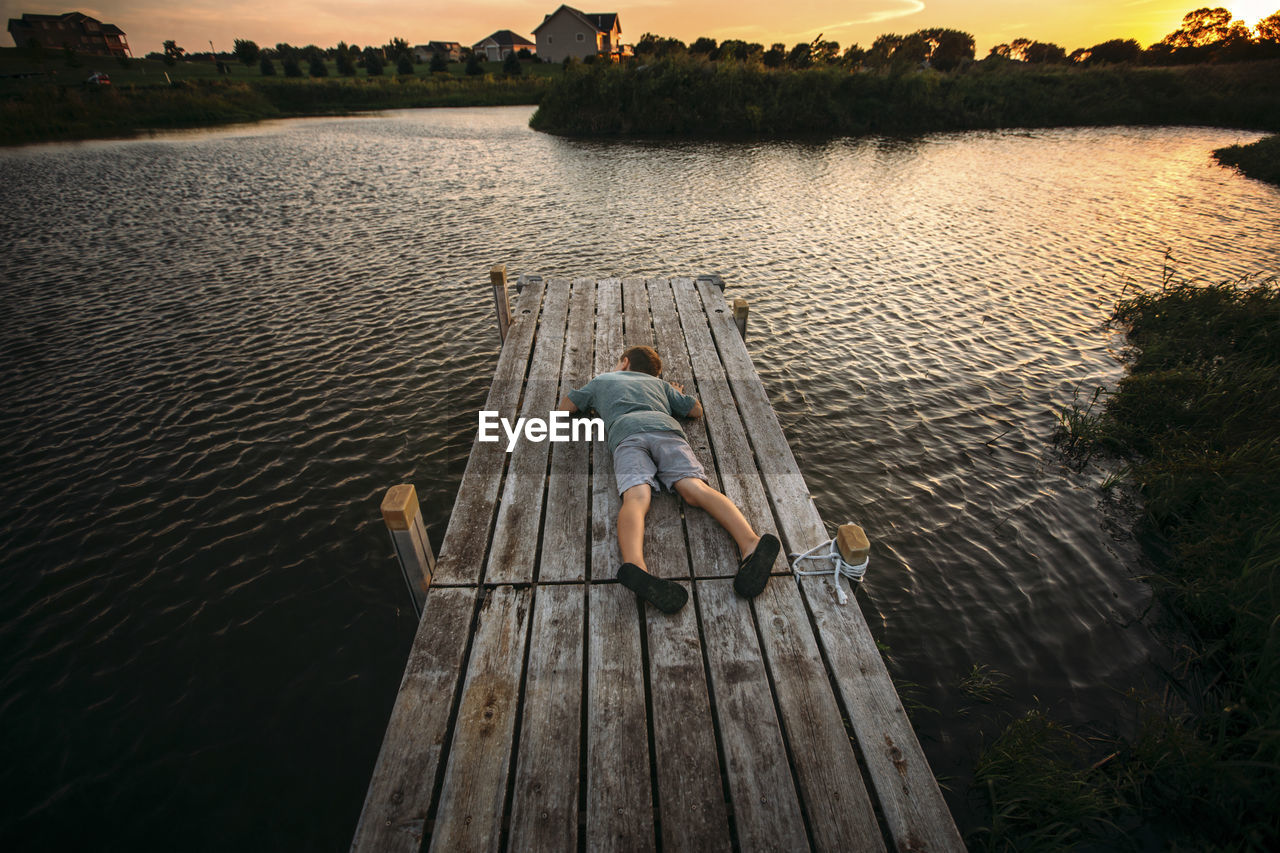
x: 404, y: 521
x: 498, y: 276
x: 740, y: 316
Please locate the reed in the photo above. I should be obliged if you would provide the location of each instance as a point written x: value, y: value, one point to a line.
x: 1260, y: 160
x: 1197, y: 420
x: 688, y: 96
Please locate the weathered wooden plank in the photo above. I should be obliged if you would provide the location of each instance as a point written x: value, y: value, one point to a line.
x: 663, y: 522
x: 712, y: 552
x: 691, y: 798
x: 568, y: 516
x: 738, y: 472
x: 619, y: 795
x: 399, y: 795
x: 785, y: 485
x: 544, y: 806
x: 514, y: 551
x: 908, y: 794
x: 766, y: 810
x: 474, y: 790
x: 605, y: 561
x: 462, y: 551
x: 839, y: 809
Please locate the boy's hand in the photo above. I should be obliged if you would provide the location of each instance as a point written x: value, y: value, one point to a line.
x: 677, y: 386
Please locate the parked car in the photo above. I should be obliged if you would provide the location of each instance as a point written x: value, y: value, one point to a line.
x: 97, y: 78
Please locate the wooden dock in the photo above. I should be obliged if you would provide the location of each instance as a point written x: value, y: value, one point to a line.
x: 544, y: 708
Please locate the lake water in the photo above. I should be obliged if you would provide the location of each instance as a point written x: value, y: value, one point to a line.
x: 221, y: 347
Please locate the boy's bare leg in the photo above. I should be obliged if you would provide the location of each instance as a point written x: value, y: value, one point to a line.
x: 635, y: 505
x: 666, y: 595
x: 697, y: 493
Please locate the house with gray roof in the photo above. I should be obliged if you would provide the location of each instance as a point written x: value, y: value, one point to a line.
x: 569, y: 32
x: 501, y: 44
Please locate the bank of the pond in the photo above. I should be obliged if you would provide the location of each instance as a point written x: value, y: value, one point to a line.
x: 690, y: 97
x: 1197, y: 422
x: 1260, y: 160
x: 43, y: 112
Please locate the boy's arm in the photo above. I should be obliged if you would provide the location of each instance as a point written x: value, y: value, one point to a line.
x: 566, y: 405
x: 696, y: 411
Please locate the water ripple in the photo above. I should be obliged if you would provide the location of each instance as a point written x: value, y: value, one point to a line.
x: 221, y: 347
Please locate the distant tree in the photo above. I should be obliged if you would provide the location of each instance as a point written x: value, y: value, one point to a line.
x: 246, y: 51
x: 511, y: 66
x: 345, y: 64
x: 1044, y: 53
x: 853, y: 57
x: 823, y: 52
x: 1201, y: 28
x: 947, y: 49
x: 312, y: 52
x: 475, y: 65
x: 267, y: 67
x: 1113, y: 52
x: 1268, y: 28
x: 703, y: 45
x: 653, y: 45
x: 524, y: 53
x: 739, y: 50
x: 172, y: 53
x: 372, y: 63
x: 800, y: 56
x: 775, y: 55
x: 318, y: 68
x: 404, y: 65
x: 882, y: 50
x: 396, y: 48
x: 291, y: 66
x: 438, y: 64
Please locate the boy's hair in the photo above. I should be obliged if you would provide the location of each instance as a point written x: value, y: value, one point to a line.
x: 644, y: 360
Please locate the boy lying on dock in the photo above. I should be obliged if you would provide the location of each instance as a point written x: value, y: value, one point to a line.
x: 649, y: 452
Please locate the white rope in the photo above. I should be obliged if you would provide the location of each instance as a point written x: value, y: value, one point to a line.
x: 839, y: 566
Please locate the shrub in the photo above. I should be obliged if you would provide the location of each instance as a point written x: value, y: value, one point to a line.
x: 404, y: 66
x: 267, y: 67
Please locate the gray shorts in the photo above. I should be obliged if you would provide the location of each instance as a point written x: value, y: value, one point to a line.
x: 648, y: 457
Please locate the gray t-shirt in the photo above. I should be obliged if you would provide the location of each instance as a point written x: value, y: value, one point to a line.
x: 630, y: 402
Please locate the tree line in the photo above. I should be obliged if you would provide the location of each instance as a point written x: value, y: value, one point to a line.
x: 348, y: 59
x: 1205, y: 35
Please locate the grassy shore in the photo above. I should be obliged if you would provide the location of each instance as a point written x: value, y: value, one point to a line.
x: 1260, y: 160
x: 691, y: 97
x: 1197, y: 422
x: 55, y: 103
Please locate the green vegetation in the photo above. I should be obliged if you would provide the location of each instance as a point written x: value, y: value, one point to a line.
x: 689, y: 96
x: 1259, y: 160
x: 54, y: 102
x: 1197, y: 421
x: 1210, y: 71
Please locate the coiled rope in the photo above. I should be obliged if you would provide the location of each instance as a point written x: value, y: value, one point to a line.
x: 839, y: 566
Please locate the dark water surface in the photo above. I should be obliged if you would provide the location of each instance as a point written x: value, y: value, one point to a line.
x: 220, y: 348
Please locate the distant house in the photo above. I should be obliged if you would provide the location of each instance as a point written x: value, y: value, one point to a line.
x: 568, y: 32
x: 450, y: 50
x: 72, y: 29
x: 502, y: 43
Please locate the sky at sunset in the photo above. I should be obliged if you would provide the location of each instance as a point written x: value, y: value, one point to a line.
x: 193, y: 23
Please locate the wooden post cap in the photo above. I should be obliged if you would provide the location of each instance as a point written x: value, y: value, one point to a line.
x: 400, y: 506
x: 739, y: 307
x: 853, y: 544
x: 498, y: 274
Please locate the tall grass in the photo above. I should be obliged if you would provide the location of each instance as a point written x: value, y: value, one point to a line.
x: 44, y: 111
x: 1198, y: 417
x: 1259, y: 160
x: 688, y: 96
